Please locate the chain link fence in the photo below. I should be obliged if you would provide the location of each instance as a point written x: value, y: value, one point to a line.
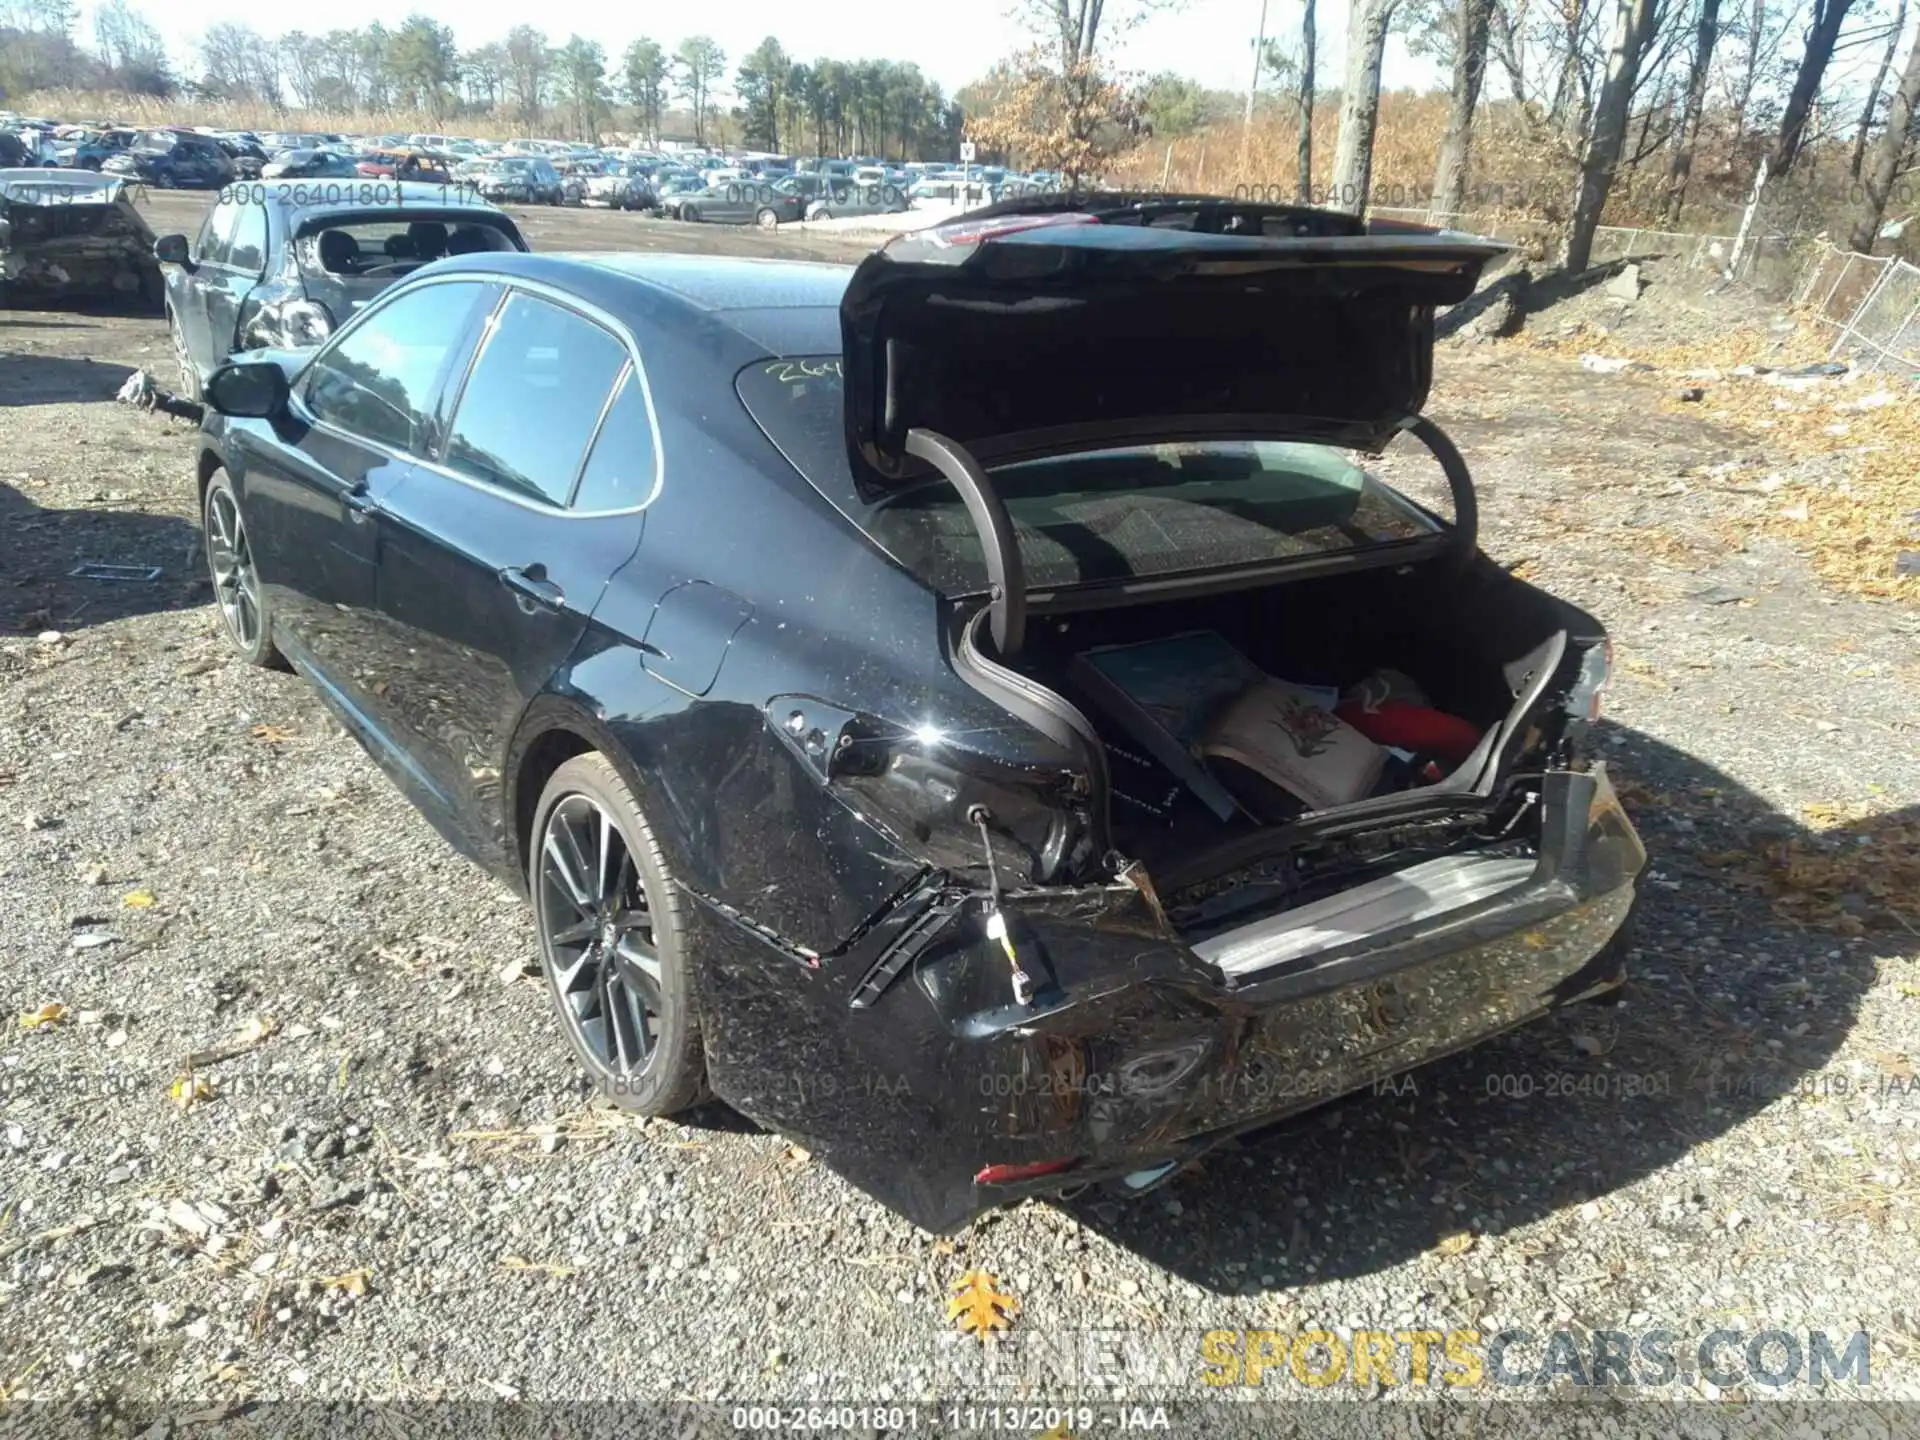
x: 1870, y: 302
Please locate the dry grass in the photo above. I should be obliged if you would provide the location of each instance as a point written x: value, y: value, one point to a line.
x: 1853, y: 530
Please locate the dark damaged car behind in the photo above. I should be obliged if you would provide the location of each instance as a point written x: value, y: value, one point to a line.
x: 286, y: 263
x: 977, y: 713
x: 68, y: 235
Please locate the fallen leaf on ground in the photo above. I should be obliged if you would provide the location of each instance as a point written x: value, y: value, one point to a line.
x: 51, y: 1013
x: 978, y: 1307
x: 185, y: 1215
x: 272, y: 734
x: 1458, y: 1243
x: 798, y: 1154
x: 138, y: 900
x: 189, y: 1090
x: 353, y: 1282
x: 257, y: 1029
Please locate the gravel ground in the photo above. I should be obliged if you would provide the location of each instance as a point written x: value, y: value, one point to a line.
x: 397, y: 1186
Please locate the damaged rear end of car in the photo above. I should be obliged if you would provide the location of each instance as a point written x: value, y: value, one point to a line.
x: 69, y: 235
x: 1293, y: 791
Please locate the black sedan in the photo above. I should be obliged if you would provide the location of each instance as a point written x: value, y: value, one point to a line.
x: 740, y: 202
x: 173, y: 160
x: 968, y: 712
x: 284, y: 263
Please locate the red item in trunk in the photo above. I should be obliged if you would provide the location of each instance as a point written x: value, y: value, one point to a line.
x: 1419, y: 728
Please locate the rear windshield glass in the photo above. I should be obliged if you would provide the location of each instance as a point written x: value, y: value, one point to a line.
x: 386, y: 248
x: 1101, y: 516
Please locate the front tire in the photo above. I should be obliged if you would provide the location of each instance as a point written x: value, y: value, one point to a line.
x: 245, y: 615
x: 613, y: 941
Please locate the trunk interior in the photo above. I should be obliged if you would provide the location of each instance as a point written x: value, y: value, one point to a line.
x: 1479, y: 646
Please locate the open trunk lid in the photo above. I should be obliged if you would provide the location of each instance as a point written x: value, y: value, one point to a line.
x: 1019, y: 335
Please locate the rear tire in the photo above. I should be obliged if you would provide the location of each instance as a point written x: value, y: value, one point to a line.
x: 766, y: 218
x: 689, y: 214
x: 612, y: 933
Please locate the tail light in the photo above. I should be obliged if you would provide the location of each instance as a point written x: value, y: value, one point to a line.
x: 922, y: 787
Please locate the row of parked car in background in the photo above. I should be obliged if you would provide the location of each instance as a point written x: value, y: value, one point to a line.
x: 682, y: 183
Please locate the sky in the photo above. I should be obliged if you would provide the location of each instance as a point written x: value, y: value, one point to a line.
x: 1208, y: 40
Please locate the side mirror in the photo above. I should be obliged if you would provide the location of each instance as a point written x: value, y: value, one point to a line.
x: 172, y: 250
x: 256, y: 390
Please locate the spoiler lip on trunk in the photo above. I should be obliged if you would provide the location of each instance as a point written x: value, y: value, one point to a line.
x: 1021, y: 332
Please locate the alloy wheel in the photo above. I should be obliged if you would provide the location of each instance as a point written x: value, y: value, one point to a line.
x: 236, y: 585
x: 599, y: 937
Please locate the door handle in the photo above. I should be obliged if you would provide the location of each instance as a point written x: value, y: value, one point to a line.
x: 358, y: 501
x: 531, y: 583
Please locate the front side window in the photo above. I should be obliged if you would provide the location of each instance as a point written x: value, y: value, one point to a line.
x: 378, y: 379
x: 248, y: 252
x: 216, y: 234
x: 533, y: 399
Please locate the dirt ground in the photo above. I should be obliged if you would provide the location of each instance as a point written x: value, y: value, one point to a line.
x: 397, y: 1189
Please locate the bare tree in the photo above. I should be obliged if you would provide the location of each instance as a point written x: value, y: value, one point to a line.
x: 1303, y: 103
x: 1756, y: 30
x: 1883, y: 165
x: 1469, y: 70
x: 1873, y: 93
x: 1706, y: 34
x: 1633, y: 25
x: 124, y: 37
x: 1828, y: 15
x: 1360, y: 103
x: 527, y: 71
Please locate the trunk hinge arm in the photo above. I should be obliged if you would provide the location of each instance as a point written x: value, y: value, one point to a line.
x: 1466, y: 505
x: 1006, y: 575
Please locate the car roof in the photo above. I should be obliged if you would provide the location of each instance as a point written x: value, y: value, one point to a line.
x: 777, y: 307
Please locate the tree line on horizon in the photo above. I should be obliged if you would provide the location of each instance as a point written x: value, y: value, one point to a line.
x: 1596, y: 89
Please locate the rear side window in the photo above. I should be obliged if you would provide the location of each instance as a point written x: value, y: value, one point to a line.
x: 379, y: 379
x: 533, y: 400
x: 216, y: 235
x: 624, y: 465
x: 386, y: 248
